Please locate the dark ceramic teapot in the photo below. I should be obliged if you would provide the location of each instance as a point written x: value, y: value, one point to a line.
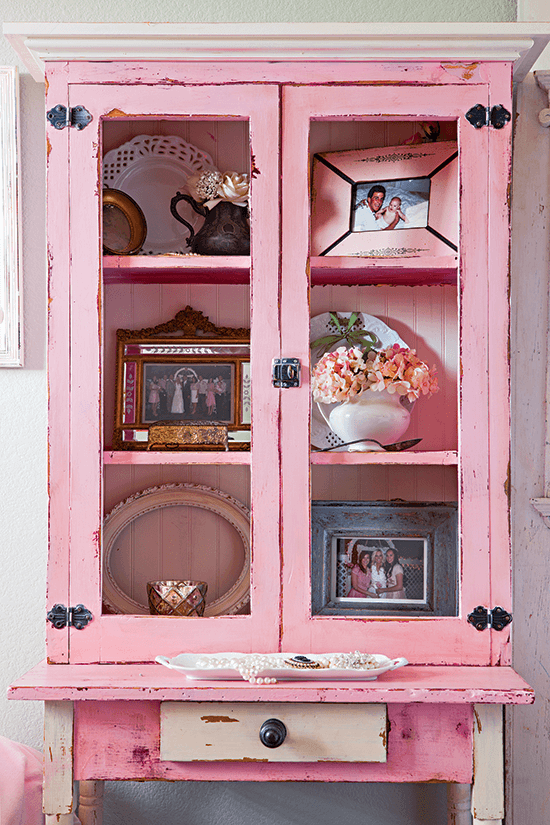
x: 225, y: 230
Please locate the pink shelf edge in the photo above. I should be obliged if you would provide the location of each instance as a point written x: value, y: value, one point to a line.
x: 236, y: 269
x: 176, y: 269
x: 425, y: 684
x: 442, y: 457
x: 133, y: 457
x: 129, y: 457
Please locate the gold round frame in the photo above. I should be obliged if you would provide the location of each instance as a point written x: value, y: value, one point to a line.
x: 116, y: 200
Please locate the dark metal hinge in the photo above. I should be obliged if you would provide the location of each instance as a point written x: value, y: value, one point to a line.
x: 60, y: 116
x: 77, y: 617
x: 482, y: 618
x: 495, y: 116
x: 286, y: 372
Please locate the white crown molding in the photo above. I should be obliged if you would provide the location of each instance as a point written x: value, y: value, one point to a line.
x: 38, y: 43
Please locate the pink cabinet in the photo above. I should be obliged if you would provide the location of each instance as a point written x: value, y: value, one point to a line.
x: 307, y: 547
x: 438, y: 283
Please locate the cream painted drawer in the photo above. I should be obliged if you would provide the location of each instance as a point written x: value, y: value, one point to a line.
x: 212, y: 731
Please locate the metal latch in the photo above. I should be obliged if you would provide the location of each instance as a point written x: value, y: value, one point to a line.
x: 496, y: 116
x: 60, y: 116
x: 286, y: 372
x: 482, y: 618
x: 77, y: 617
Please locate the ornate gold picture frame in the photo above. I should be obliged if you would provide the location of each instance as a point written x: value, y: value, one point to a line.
x: 185, y: 373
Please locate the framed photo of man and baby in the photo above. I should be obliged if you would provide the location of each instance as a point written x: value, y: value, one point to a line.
x: 382, y: 558
x: 397, y: 201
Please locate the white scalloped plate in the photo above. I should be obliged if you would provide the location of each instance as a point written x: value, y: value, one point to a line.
x: 320, y: 325
x: 151, y: 169
x: 186, y: 663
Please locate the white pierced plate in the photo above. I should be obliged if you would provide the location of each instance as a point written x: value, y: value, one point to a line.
x: 151, y: 169
x: 186, y: 663
x: 321, y: 434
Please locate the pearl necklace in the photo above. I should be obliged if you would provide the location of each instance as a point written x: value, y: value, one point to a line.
x: 249, y: 665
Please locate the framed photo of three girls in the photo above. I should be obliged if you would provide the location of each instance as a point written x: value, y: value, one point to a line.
x: 384, y: 557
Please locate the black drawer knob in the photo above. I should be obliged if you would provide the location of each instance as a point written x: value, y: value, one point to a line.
x: 272, y: 733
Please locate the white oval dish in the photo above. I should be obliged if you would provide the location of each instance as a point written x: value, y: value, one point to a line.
x: 186, y: 663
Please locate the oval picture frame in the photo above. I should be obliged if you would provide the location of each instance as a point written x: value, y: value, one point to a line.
x: 173, y: 495
x: 115, y: 199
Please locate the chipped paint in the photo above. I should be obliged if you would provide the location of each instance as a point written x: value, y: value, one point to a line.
x: 254, y: 171
x: 141, y: 755
x: 464, y: 70
x: 477, y: 721
x: 115, y: 113
x: 218, y: 719
x: 244, y: 759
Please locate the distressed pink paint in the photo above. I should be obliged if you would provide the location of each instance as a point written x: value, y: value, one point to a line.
x: 110, y: 678
x: 111, y: 638
x: 424, y: 744
x: 418, y: 684
x: 499, y: 407
x: 444, y: 639
x: 402, y: 73
x: 58, y: 371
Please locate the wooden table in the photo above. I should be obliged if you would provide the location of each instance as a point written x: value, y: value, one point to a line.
x: 103, y: 722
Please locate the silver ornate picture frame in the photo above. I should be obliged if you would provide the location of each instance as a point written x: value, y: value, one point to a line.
x: 423, y: 537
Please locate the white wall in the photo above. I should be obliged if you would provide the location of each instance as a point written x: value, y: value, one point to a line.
x: 23, y: 473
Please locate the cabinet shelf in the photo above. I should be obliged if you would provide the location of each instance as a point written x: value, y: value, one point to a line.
x: 143, y: 457
x: 397, y: 271
x: 176, y: 269
x: 235, y: 269
x: 439, y: 458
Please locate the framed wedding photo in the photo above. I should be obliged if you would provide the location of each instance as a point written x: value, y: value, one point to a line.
x: 185, y: 372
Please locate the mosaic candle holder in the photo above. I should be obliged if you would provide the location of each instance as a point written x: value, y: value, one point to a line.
x: 177, y: 598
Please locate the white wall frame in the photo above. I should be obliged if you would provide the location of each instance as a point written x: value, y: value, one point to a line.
x: 11, y: 344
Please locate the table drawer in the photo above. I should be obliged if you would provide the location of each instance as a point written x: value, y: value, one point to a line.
x: 272, y: 732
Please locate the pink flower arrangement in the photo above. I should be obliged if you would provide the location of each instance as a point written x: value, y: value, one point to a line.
x: 346, y: 373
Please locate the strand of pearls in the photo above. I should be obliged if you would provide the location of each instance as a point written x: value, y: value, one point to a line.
x: 248, y: 666
x: 352, y: 661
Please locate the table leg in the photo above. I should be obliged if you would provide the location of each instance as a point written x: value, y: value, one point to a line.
x: 488, y: 784
x: 58, y: 763
x: 459, y: 802
x: 90, y: 802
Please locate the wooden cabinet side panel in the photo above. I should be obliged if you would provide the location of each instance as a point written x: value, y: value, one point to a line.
x: 500, y: 155
x: 58, y: 365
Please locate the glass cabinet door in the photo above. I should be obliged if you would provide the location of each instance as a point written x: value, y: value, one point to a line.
x: 385, y: 250
x: 147, y: 330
